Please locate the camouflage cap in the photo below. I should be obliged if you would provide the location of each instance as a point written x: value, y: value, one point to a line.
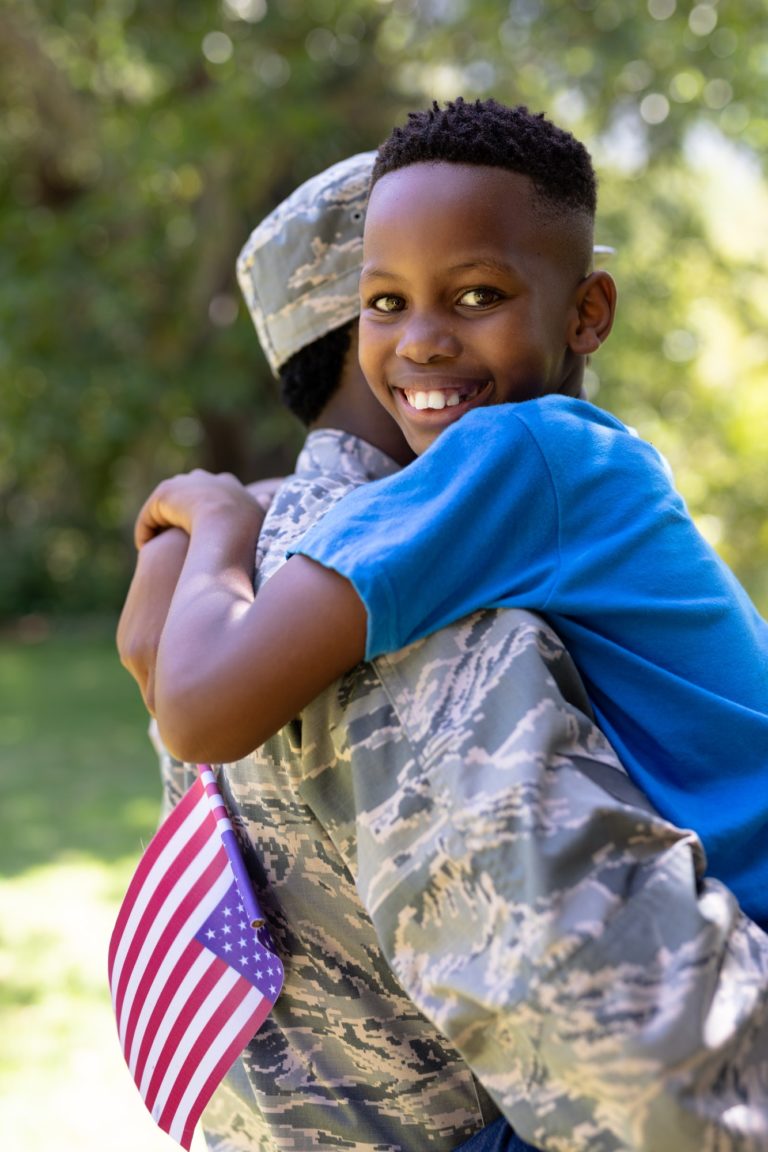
x: 300, y: 268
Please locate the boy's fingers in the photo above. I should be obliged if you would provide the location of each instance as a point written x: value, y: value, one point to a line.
x: 153, y: 517
x: 175, y: 501
x: 147, y: 523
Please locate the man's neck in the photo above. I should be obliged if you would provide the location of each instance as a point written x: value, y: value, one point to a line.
x: 369, y: 424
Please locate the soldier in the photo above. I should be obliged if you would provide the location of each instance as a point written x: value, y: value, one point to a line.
x: 457, y: 872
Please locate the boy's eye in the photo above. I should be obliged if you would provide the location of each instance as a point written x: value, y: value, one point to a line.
x: 387, y: 303
x: 479, y: 297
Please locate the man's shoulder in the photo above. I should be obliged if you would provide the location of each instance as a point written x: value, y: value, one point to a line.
x: 330, y: 465
x: 476, y: 663
x: 555, y: 414
x: 544, y: 424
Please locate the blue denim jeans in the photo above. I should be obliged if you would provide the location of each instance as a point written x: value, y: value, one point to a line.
x: 497, y: 1137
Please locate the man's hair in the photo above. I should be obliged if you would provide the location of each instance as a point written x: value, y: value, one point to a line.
x: 310, y: 377
x: 495, y: 135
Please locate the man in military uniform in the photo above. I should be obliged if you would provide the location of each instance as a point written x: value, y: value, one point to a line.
x: 477, y: 912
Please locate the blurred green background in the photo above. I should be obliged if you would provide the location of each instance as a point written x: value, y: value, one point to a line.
x: 141, y: 141
x: 139, y: 144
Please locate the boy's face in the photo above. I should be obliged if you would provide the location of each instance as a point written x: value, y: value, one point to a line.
x: 468, y: 295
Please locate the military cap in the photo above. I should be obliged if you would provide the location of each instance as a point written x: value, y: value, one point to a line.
x: 300, y: 267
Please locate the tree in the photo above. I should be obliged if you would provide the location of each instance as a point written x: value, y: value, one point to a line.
x: 141, y: 142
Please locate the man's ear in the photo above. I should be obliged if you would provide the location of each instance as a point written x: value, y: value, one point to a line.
x: 594, y: 310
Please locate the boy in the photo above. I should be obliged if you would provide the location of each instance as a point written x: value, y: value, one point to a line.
x: 554, y: 879
x: 476, y: 292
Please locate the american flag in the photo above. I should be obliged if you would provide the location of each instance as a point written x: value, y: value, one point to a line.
x: 192, y: 970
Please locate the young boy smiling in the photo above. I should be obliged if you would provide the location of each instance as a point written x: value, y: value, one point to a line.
x: 476, y: 290
x: 479, y: 308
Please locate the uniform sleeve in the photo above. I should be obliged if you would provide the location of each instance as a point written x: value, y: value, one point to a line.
x: 557, y: 931
x: 175, y: 776
x: 431, y: 544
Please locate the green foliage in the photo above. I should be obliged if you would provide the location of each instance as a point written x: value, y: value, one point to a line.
x: 79, y: 777
x: 140, y: 142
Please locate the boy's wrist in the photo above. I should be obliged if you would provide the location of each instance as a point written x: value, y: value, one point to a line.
x: 196, y: 501
x: 227, y: 511
x: 223, y: 535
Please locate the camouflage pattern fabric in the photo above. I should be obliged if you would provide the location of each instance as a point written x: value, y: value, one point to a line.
x: 606, y: 994
x: 460, y: 878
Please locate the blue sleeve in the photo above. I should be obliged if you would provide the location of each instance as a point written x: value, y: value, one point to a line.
x: 433, y: 543
x: 550, y: 505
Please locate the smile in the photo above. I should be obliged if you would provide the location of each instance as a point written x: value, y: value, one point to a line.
x: 436, y: 399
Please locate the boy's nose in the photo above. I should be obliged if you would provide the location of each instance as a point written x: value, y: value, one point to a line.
x: 425, y: 338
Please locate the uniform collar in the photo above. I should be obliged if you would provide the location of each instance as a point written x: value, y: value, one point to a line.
x: 330, y: 452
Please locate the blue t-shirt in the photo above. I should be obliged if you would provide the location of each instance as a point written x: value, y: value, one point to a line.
x: 552, y: 505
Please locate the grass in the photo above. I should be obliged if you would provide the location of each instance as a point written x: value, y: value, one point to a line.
x: 79, y: 796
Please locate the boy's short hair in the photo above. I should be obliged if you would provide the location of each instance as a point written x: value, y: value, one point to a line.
x: 299, y: 269
x: 495, y: 135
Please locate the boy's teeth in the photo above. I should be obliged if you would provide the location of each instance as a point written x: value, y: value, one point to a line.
x: 435, y: 398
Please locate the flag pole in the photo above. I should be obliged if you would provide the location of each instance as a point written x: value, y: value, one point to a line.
x: 231, y: 847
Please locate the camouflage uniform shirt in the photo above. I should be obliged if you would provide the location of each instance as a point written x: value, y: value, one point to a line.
x: 460, y: 879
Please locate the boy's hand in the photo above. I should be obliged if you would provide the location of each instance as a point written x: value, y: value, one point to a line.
x: 185, y: 500
x: 158, y: 567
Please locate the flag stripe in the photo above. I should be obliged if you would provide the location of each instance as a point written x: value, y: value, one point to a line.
x: 162, y: 971
x: 189, y: 971
x: 190, y: 902
x: 239, y: 1001
x: 212, y: 1069
x: 148, y: 899
x: 183, y: 1031
x: 167, y: 845
x: 220, y: 979
x: 152, y: 895
x: 152, y: 1016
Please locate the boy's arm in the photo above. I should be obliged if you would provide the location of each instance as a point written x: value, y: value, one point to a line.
x: 158, y: 567
x: 144, y: 613
x: 232, y: 667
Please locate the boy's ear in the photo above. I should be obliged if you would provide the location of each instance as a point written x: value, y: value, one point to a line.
x: 594, y: 310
